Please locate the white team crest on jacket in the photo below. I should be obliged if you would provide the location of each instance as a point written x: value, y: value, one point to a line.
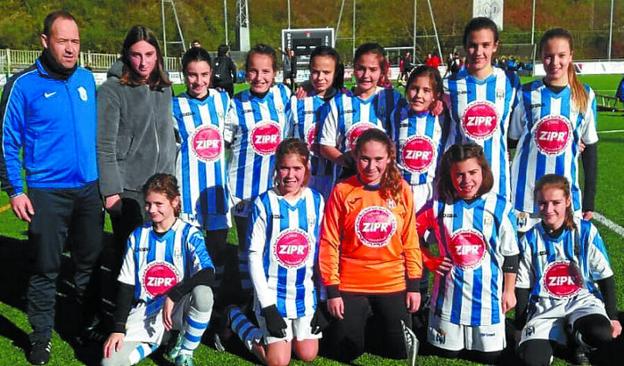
x: 82, y: 92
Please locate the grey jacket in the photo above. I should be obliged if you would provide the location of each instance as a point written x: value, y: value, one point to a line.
x: 135, y: 134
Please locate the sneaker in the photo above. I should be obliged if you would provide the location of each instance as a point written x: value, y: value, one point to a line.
x: 579, y: 356
x: 174, y: 352
x: 184, y: 360
x: 411, y: 344
x: 40, y: 352
x: 217, y: 343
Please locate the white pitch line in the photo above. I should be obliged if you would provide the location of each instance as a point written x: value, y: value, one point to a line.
x: 610, y: 224
x: 610, y: 131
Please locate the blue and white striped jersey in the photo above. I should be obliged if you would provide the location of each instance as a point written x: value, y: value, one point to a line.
x: 559, y: 268
x: 476, y: 236
x: 154, y: 263
x: 283, y: 251
x: 550, y: 129
x: 306, y: 116
x: 480, y: 113
x: 349, y: 116
x: 420, y: 141
x: 200, y: 167
x: 254, y: 127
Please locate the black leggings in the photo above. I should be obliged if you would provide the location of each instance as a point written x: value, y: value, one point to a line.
x: 488, y: 358
x: 594, y: 331
x: 348, y: 336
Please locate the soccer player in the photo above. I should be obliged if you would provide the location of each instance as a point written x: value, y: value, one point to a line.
x: 199, y: 114
x: 368, y: 106
x: 475, y: 228
x: 164, y: 282
x: 369, y: 256
x: 565, y: 287
x: 482, y: 98
x: 283, y: 252
x: 326, y: 79
x: 420, y: 136
x: 555, y: 117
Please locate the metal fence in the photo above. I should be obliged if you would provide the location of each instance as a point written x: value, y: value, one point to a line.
x: 13, y: 60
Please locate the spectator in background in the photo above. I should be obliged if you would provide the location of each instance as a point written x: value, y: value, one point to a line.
x: 290, y: 68
x: 620, y: 91
x: 433, y: 60
x: 195, y: 44
x: 224, y: 70
x: 48, y: 121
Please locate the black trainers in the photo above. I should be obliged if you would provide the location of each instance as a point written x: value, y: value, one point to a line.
x: 40, y: 352
x: 579, y: 356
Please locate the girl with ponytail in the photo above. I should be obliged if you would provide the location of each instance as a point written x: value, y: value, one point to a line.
x: 555, y: 117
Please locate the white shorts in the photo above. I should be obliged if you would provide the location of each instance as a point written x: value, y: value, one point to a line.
x: 456, y: 337
x: 423, y: 194
x: 299, y: 329
x: 141, y: 327
x: 557, y: 321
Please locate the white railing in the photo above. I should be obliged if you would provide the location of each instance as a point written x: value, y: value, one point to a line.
x: 13, y: 60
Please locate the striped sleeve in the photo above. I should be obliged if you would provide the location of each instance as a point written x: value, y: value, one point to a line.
x: 199, y: 256
x: 257, y: 242
x: 590, y: 135
x: 523, y: 277
x: 329, y: 126
x: 128, y: 268
x: 597, y: 256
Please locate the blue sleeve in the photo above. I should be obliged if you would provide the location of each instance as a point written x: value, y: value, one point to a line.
x: 12, y: 113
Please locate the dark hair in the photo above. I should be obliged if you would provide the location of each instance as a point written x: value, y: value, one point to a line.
x: 165, y: 184
x: 434, y: 78
x: 195, y: 54
x: 557, y: 182
x: 338, y: 70
x: 376, y: 49
x: 52, y: 17
x: 478, y: 23
x: 292, y: 146
x: 579, y: 94
x: 222, y: 50
x: 261, y: 49
x: 456, y: 154
x: 390, y: 185
x: 158, y: 79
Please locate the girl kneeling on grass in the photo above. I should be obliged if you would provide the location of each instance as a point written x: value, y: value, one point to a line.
x: 164, y: 282
x: 283, y: 252
x: 565, y: 287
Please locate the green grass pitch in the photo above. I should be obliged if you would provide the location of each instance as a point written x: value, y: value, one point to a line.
x: 609, y: 202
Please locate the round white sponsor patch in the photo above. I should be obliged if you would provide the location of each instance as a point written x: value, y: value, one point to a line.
x: 553, y: 134
x: 265, y: 136
x: 159, y: 277
x: 355, y: 131
x: 417, y: 154
x: 480, y: 120
x: 207, y: 143
x: 467, y: 248
x: 375, y: 225
x: 562, y: 279
x: 292, y: 248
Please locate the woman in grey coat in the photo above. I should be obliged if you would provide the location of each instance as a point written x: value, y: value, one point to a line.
x: 135, y: 130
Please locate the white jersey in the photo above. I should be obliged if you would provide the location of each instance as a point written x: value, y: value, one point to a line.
x: 200, y: 166
x: 306, y: 115
x: 550, y: 130
x: 154, y: 263
x: 283, y: 251
x: 254, y: 128
x: 420, y: 140
x: 476, y: 236
x: 558, y: 269
x: 480, y: 113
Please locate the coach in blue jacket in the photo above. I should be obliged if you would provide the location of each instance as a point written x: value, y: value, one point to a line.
x: 48, y: 111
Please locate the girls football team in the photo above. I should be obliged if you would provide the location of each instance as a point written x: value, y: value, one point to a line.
x: 392, y: 170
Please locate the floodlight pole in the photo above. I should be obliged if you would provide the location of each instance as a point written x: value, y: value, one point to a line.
x: 225, y: 25
x: 533, y: 23
x: 435, y: 30
x: 414, y: 32
x: 610, y: 32
x: 353, y: 30
x: 288, y: 1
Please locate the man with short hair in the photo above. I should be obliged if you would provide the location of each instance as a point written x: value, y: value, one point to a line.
x: 48, y: 128
x: 223, y: 71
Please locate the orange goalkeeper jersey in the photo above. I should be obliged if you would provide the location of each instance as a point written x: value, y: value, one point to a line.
x: 369, y: 244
